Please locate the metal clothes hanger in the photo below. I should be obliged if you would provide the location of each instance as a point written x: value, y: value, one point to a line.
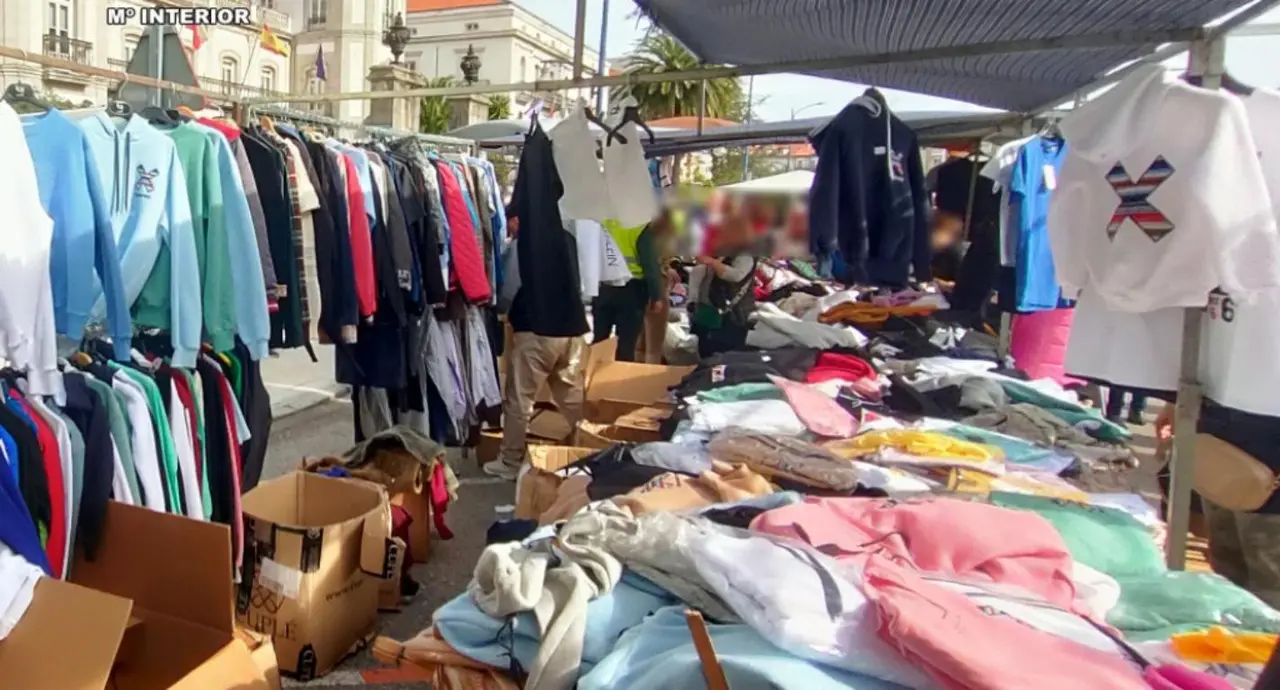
x: 631, y: 113
x: 158, y: 116
x: 119, y: 109
x: 22, y: 93
x: 595, y: 120
x: 1229, y: 83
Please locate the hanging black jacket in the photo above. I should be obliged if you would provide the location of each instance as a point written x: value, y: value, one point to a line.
x: 88, y: 412
x: 549, y: 301
x: 869, y: 201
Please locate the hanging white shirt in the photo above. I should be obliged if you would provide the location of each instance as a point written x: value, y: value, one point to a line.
x: 574, y: 147
x: 613, y: 266
x: 18, y: 580
x: 1239, y: 362
x: 588, y: 235
x: 184, y: 441
x: 1161, y: 198
x: 28, y: 339
x: 626, y: 172
x: 60, y: 432
x: 1122, y: 348
x: 146, y: 459
x: 1000, y: 171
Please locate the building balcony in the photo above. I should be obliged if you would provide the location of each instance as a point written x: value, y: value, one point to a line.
x: 318, y: 21
x: 71, y: 49
x: 68, y: 48
x: 274, y: 18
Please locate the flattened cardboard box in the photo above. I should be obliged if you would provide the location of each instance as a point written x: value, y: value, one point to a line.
x: 319, y: 550
x: 151, y: 612
x: 538, y: 483
x: 617, y: 389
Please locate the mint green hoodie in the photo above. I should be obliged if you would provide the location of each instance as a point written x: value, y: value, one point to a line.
x: 198, y: 155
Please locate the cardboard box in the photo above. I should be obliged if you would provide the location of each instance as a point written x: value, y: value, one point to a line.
x: 537, y: 484
x: 409, y: 491
x: 152, y: 612
x: 617, y: 389
x: 389, y: 589
x: 319, y: 548
x: 263, y: 653
x: 547, y: 427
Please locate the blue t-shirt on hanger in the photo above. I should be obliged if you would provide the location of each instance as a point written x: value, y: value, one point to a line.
x: 1035, y: 176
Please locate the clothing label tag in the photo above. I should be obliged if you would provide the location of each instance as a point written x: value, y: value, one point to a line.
x: 717, y: 373
x: 1050, y: 178
x: 880, y: 150
x: 280, y: 579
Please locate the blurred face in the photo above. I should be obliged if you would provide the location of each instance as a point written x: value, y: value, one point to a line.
x: 947, y: 230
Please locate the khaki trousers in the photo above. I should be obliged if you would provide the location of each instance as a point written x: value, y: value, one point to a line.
x: 531, y: 361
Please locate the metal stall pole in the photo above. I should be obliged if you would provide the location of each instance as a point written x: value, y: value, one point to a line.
x: 157, y: 97
x: 579, y: 40
x: 600, y: 60
x: 1205, y: 61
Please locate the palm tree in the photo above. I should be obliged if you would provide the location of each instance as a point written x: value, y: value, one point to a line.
x: 657, y: 53
x: 499, y: 107
x: 434, y: 116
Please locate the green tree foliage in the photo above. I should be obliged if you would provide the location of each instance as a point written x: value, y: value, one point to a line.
x: 659, y: 53
x: 499, y: 107
x: 434, y: 117
x: 726, y: 167
x: 53, y: 100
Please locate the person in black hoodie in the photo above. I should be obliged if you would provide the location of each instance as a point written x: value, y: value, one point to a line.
x: 869, y: 203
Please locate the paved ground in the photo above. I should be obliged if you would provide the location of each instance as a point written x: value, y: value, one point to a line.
x: 326, y: 429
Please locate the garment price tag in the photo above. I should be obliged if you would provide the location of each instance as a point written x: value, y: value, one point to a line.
x: 1050, y: 178
x: 280, y: 579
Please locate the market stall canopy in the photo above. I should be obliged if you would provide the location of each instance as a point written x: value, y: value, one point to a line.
x: 794, y: 182
x: 758, y: 32
x: 933, y: 128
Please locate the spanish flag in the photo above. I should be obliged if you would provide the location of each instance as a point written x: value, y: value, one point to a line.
x: 198, y: 36
x: 273, y: 43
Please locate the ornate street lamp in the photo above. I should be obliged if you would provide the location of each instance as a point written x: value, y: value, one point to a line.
x: 396, y: 37
x: 471, y: 66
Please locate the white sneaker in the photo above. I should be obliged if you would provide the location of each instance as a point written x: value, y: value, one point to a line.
x: 501, y: 470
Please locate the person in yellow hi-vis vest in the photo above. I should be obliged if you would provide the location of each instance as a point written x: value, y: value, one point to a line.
x: 624, y: 306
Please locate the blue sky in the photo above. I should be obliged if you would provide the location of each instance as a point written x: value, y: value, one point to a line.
x: 1251, y: 59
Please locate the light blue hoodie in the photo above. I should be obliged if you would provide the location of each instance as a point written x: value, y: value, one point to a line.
x: 252, y: 322
x: 149, y: 208
x: 72, y: 194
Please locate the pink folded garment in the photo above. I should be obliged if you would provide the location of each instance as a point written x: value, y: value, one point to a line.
x: 964, y: 647
x: 936, y: 535
x: 819, y: 413
x: 1039, y: 344
x: 1175, y: 677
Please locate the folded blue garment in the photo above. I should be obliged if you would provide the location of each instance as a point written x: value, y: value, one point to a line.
x: 659, y: 654
x: 1022, y: 453
x: 477, y: 635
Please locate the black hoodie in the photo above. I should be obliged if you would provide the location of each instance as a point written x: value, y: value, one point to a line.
x: 869, y: 201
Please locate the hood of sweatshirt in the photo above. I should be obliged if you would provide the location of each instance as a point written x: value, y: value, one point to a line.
x: 1114, y: 124
x: 122, y: 157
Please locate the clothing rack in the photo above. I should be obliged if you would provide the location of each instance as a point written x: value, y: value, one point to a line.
x: 336, y: 125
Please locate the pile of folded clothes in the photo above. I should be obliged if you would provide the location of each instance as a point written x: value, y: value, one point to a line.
x: 874, y: 501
